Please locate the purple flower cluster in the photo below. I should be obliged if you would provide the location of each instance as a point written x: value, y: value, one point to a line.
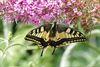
x: 72, y: 9
x: 37, y: 11
x: 32, y: 11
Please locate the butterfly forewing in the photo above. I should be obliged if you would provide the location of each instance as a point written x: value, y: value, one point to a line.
x: 40, y: 32
x: 67, y: 32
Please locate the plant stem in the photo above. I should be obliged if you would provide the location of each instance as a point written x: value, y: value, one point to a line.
x: 5, y: 30
x: 93, y: 63
x: 65, y: 58
x: 94, y: 47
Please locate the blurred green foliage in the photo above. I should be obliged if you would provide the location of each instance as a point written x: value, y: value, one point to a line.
x: 1, y: 26
x: 21, y: 53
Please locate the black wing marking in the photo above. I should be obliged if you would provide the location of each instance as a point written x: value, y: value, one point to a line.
x: 41, y: 40
x: 71, y: 40
x: 42, y: 28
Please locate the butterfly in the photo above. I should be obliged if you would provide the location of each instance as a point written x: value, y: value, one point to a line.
x: 54, y: 35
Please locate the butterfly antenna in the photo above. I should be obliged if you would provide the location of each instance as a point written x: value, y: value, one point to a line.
x: 53, y: 50
x: 42, y: 51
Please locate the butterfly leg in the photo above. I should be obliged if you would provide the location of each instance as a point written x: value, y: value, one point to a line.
x: 42, y: 51
x: 53, y: 50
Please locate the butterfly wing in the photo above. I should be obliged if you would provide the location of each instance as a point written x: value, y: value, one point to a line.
x: 68, y: 35
x: 38, y: 35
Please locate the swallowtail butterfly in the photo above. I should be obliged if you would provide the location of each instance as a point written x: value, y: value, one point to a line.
x: 54, y: 35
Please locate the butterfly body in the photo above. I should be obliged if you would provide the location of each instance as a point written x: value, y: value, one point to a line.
x: 54, y: 35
